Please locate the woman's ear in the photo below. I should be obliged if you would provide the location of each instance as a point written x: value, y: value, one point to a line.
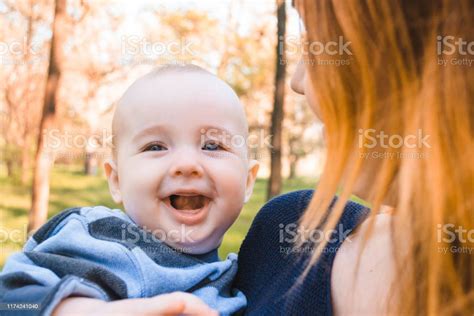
x: 251, y: 177
x: 113, y: 179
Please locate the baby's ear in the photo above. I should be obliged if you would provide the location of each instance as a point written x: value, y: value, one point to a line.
x: 251, y: 177
x: 112, y: 177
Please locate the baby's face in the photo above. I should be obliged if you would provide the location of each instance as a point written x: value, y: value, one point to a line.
x: 180, y: 170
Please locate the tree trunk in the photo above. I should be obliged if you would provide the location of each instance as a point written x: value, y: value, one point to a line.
x: 25, y: 150
x: 293, y: 164
x: 9, y: 164
x: 25, y: 161
x: 44, y: 157
x: 274, y: 184
x: 90, y: 163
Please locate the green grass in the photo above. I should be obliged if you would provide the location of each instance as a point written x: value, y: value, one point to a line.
x: 69, y: 187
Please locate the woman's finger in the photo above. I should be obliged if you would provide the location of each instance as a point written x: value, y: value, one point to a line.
x: 190, y: 304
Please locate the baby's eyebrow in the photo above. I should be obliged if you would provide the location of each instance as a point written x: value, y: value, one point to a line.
x: 205, y: 130
x: 151, y: 130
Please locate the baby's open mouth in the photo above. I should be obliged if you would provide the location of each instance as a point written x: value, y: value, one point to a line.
x: 188, y: 202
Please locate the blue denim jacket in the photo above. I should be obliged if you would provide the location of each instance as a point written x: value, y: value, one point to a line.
x: 87, y: 252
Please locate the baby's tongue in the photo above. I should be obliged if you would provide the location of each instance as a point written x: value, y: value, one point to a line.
x: 181, y: 202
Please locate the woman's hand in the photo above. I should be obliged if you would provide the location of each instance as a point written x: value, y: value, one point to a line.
x: 175, y: 303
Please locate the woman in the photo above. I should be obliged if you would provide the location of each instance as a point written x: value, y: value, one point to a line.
x: 399, y: 122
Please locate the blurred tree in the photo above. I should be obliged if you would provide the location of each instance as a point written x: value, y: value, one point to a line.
x: 246, y: 54
x: 44, y: 159
x: 235, y: 41
x: 24, y: 69
x: 95, y: 61
x: 274, y: 183
x: 298, y: 120
x: 92, y: 117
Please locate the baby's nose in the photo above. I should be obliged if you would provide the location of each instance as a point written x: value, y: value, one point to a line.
x: 186, y: 167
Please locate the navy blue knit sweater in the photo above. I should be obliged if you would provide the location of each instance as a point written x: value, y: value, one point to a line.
x: 269, y: 266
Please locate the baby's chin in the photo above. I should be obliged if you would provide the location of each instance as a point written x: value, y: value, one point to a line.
x: 197, y: 243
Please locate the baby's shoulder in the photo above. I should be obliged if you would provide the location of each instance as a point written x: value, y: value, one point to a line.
x: 85, y: 215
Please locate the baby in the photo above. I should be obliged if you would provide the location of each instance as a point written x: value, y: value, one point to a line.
x: 182, y: 180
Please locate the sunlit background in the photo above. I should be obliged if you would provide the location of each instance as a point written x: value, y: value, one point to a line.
x: 102, y: 47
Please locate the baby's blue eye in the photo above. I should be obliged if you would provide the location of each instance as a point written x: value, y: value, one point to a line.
x: 155, y: 147
x: 211, y: 146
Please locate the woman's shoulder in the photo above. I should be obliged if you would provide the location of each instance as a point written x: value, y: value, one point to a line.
x: 277, y: 207
x: 360, y: 274
x: 277, y: 213
x: 268, y: 253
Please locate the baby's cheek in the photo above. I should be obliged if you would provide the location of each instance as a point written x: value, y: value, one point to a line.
x: 140, y: 184
x: 232, y: 171
x: 233, y: 184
